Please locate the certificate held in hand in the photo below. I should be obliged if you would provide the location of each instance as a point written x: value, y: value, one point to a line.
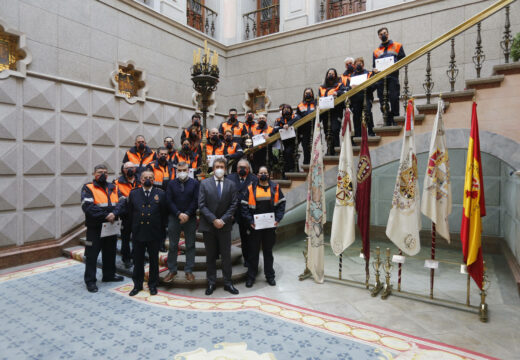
x: 384, y: 63
x: 258, y: 139
x: 287, y: 134
x: 326, y: 102
x: 358, y: 79
x: 111, y: 229
x: 264, y: 221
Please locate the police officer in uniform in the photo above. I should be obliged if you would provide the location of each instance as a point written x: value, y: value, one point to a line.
x: 100, y: 203
x: 148, y: 214
x: 263, y: 197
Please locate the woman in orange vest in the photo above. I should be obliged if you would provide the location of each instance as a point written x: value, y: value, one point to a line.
x: 263, y: 197
x: 332, y: 86
x: 349, y: 69
x: 288, y: 118
x: 307, y: 106
x: 356, y: 101
x: 261, y: 157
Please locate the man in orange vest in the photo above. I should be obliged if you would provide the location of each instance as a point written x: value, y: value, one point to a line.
x: 187, y: 155
x: 126, y: 183
x: 249, y: 123
x: 169, y: 144
x: 349, y: 69
x: 260, y: 157
x: 162, y: 169
x: 232, y: 150
x: 388, y: 48
x: 140, y: 154
x: 195, y: 124
x: 263, y: 197
x: 100, y: 203
x: 237, y: 128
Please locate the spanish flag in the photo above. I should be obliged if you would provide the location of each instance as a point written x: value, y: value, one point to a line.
x: 473, y: 206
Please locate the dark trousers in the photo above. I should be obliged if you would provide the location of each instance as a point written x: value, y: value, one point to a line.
x: 393, y: 97
x: 94, y: 245
x: 153, y: 256
x: 335, y: 125
x: 304, y: 134
x: 288, y: 155
x: 218, y: 242
x: 126, y: 231
x: 265, y: 238
x: 244, y: 228
x: 357, y: 111
x: 260, y: 158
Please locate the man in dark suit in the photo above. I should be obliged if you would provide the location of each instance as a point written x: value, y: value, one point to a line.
x: 243, y: 178
x: 148, y: 212
x: 218, y: 201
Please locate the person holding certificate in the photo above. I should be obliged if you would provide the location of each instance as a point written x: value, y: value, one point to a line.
x: 307, y: 106
x: 394, y: 50
x: 264, y: 209
x: 100, y: 203
x: 261, y: 157
x: 356, y: 101
x: 282, y: 124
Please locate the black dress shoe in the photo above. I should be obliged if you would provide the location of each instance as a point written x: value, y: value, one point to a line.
x: 135, y: 291
x: 210, y: 289
x: 153, y: 290
x: 115, y: 278
x: 271, y: 282
x: 249, y: 283
x: 231, y: 289
x: 92, y: 288
x: 128, y: 264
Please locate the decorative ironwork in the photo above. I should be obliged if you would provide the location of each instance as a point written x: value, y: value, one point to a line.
x: 479, y: 57
x: 378, y: 286
x: 406, y: 89
x: 428, y: 83
x: 505, y: 44
x: 330, y: 138
x: 205, y: 77
x: 338, y: 8
x: 387, y: 288
x: 265, y: 21
x: 385, y: 105
x: 452, y: 71
x: 199, y: 15
x: 322, y: 10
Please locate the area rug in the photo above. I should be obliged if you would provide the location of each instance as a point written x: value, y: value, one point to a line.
x: 47, y: 314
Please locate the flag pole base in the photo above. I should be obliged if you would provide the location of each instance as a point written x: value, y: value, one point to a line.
x: 483, y: 313
x: 378, y: 286
x: 387, y: 291
x: 304, y: 275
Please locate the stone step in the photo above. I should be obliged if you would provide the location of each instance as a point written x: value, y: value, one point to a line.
x: 331, y: 159
x: 238, y: 274
x: 457, y: 96
x: 388, y: 130
x: 485, y: 82
x: 372, y: 140
x: 430, y: 108
x: 200, y: 261
x: 507, y: 69
x: 355, y: 149
x: 296, y: 176
x: 418, y: 118
x: 283, y: 183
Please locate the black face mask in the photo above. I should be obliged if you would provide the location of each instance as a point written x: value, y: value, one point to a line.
x: 148, y: 183
x: 228, y: 139
x: 214, y: 138
x: 384, y: 38
x: 242, y: 172
x: 350, y: 68
x: 232, y: 117
x: 330, y: 77
x: 186, y: 147
x: 169, y: 146
x: 196, y: 123
x: 162, y: 160
x: 261, y: 123
x: 130, y: 172
x: 249, y: 118
x: 359, y: 67
x: 263, y: 177
x: 287, y: 113
x: 102, y: 179
x: 308, y: 97
x: 141, y: 147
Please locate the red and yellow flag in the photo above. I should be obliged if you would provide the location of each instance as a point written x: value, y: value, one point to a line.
x: 473, y: 206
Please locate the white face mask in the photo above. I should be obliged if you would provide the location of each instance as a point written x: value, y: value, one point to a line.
x: 183, y: 175
x: 219, y: 173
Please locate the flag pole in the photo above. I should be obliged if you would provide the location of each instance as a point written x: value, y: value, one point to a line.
x: 363, y: 123
x: 467, y: 290
x: 340, y: 264
x: 399, y: 272
x: 432, y: 270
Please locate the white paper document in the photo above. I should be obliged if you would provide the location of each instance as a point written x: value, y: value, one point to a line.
x: 398, y: 259
x: 358, y: 79
x: 212, y: 158
x: 463, y: 269
x: 264, y: 221
x: 191, y: 173
x: 287, y: 134
x: 258, y: 139
x: 384, y: 63
x: 431, y: 264
x: 111, y: 229
x: 326, y: 102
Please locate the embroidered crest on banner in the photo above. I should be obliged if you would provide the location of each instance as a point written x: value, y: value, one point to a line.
x: 406, y: 189
x: 438, y: 171
x: 344, y: 189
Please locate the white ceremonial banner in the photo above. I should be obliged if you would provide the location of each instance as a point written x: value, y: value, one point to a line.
x: 326, y: 102
x: 258, y: 139
x: 404, y: 221
x: 384, y: 63
x: 287, y: 134
x: 358, y: 79
x: 264, y: 221
x: 110, y: 229
x: 212, y: 158
x: 343, y: 232
x: 436, y: 201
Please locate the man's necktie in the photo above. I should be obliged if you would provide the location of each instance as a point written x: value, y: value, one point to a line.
x: 219, y: 188
x: 147, y: 193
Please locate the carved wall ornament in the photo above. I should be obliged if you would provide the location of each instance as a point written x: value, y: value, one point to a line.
x: 129, y: 82
x: 257, y: 100
x: 14, y: 55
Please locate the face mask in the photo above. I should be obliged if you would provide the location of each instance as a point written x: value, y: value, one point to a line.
x: 140, y: 147
x: 250, y: 118
x: 261, y: 123
x: 130, y: 172
x: 242, y: 172
x: 350, y: 68
x: 263, y: 177
x: 183, y: 175
x: 228, y: 139
x: 233, y: 117
x: 359, y: 67
x: 147, y: 183
x: 384, y: 38
x: 214, y: 138
x: 162, y: 160
x: 308, y: 96
x: 196, y: 123
x: 287, y: 113
x: 219, y: 173
x: 330, y: 77
x: 102, y: 179
x: 169, y: 146
x: 186, y: 147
